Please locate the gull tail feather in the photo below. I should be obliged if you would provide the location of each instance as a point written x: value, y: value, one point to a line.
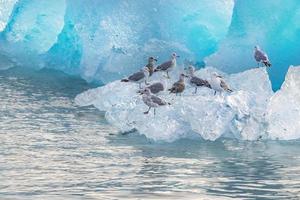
x: 267, y: 63
x: 229, y: 90
x: 171, y: 90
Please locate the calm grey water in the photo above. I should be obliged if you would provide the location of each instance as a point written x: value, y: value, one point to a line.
x: 50, y: 149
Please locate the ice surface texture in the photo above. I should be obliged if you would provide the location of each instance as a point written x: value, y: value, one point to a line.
x: 284, y: 108
x: 251, y: 112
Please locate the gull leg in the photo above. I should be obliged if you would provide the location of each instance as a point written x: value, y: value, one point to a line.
x: 154, y: 111
x: 215, y: 93
x: 147, y: 112
x: 168, y: 75
x: 140, y: 85
x: 257, y: 64
x: 195, y: 90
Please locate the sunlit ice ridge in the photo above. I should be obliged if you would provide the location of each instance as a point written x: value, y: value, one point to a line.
x: 102, y: 40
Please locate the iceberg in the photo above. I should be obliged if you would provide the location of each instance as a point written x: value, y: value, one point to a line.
x: 111, y: 40
x: 283, y: 114
x: 31, y: 30
x: 104, y: 40
x: 251, y: 112
x: 205, y: 115
x: 33, y: 27
x: 264, y: 23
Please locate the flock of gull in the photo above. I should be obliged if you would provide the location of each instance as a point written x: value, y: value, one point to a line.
x: 149, y: 92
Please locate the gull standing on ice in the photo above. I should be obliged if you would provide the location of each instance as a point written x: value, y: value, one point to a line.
x: 155, y: 88
x: 169, y: 65
x: 179, y: 86
x: 151, y: 65
x: 261, y: 57
x: 218, y: 84
x: 138, y: 77
x: 152, y: 101
x: 196, y: 81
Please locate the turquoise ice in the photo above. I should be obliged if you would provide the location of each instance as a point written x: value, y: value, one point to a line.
x: 103, y: 40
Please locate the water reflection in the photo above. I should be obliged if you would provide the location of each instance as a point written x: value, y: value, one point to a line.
x: 225, y: 168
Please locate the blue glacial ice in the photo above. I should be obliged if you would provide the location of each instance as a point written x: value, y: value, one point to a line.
x: 105, y: 40
x: 273, y: 24
x: 102, y: 40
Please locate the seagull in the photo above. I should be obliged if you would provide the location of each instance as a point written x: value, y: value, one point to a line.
x: 151, y: 65
x: 195, y: 81
x: 155, y: 88
x: 179, y: 86
x: 138, y: 77
x: 261, y: 57
x: 152, y: 101
x: 169, y: 65
x: 218, y: 84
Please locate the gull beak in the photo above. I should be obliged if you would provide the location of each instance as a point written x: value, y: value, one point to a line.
x: 177, y: 56
x: 155, y: 60
x: 220, y: 76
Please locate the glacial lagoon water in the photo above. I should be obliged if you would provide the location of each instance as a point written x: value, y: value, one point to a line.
x: 51, y: 149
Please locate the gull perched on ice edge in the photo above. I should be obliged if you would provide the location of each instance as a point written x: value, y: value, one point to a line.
x: 151, y: 65
x: 152, y: 101
x: 196, y: 81
x: 169, y: 65
x: 179, y: 86
x: 138, y: 77
x: 155, y: 88
x: 261, y: 57
x: 218, y: 84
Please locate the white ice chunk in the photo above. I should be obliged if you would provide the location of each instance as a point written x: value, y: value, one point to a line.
x: 284, y: 109
x: 6, y: 7
x: 209, y: 116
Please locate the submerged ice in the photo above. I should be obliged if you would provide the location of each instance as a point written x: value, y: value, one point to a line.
x: 240, y: 114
